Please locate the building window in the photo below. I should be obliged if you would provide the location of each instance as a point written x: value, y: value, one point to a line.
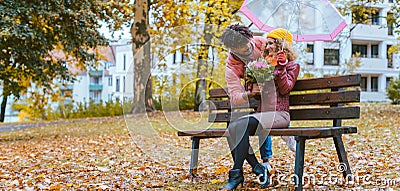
x: 310, y: 54
x: 363, y: 84
x: 374, y: 84
x: 110, y: 97
x: 374, y: 51
x: 375, y: 18
x: 389, y: 57
x: 360, y: 50
x: 95, y: 96
x: 390, y: 22
x: 183, y: 58
x: 331, y: 57
x: 388, y: 79
x: 310, y: 48
x: 124, y: 62
x: 109, y: 81
x: 123, y: 84
x: 390, y: 1
x: 365, y: 15
x: 390, y: 29
x: 117, y: 84
x: 95, y: 80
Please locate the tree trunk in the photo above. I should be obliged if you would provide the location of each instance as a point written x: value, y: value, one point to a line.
x: 142, y: 84
x: 200, y: 92
x: 3, y: 108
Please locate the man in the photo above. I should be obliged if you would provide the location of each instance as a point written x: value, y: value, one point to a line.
x: 243, y: 49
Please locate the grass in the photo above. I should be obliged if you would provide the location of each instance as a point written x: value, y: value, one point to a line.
x: 140, y: 153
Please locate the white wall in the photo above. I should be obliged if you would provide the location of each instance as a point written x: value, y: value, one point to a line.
x: 123, y: 70
x: 80, y: 91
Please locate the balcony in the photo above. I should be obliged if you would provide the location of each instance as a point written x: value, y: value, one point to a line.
x: 363, y: 31
x: 95, y: 87
x: 373, y: 64
x: 96, y: 73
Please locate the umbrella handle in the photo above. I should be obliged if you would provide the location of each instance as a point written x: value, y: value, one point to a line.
x: 284, y: 40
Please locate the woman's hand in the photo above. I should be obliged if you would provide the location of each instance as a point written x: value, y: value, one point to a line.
x: 281, y: 58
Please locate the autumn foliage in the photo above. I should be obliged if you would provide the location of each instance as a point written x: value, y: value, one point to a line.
x: 108, y: 154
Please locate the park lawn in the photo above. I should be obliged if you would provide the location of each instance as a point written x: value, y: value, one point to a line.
x: 145, y: 153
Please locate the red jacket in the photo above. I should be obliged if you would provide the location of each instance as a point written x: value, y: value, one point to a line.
x: 285, y: 78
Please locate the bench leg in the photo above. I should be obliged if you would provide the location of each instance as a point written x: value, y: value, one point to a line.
x: 341, y: 152
x: 299, y: 163
x: 195, y: 156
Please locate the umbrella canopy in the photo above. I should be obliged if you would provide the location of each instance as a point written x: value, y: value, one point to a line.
x: 307, y: 20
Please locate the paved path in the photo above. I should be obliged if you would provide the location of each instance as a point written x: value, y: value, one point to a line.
x: 15, y: 127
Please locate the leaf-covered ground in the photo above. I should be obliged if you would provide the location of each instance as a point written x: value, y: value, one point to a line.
x: 142, y: 153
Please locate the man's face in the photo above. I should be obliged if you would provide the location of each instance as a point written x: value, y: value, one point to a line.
x: 243, y: 50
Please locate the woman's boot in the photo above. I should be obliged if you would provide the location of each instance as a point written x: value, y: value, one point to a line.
x: 235, y: 178
x: 263, y: 175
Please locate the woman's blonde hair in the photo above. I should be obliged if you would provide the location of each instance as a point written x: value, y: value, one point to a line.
x: 290, y: 52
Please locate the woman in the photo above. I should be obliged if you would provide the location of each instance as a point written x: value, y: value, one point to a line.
x: 285, y: 74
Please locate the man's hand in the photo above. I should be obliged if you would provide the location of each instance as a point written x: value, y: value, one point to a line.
x: 252, y: 94
x: 281, y: 58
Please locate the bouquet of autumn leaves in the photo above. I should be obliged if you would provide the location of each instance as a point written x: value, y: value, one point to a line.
x: 259, y: 71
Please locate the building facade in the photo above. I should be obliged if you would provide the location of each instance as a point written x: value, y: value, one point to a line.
x: 106, y: 82
x: 120, y: 79
x: 367, y: 44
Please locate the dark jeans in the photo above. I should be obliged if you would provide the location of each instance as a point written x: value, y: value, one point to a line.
x: 265, y: 142
x: 240, y: 131
x: 266, y: 147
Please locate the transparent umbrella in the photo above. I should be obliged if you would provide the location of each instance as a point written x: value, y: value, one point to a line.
x: 307, y: 20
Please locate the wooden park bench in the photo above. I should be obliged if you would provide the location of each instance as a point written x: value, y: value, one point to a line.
x: 329, y: 100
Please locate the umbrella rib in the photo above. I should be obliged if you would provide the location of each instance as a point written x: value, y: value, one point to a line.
x: 273, y: 12
x: 315, y: 8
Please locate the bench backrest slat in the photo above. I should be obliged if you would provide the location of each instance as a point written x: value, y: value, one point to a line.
x: 325, y: 113
x: 226, y: 104
x: 225, y: 117
x: 311, y: 99
x: 324, y: 98
x: 219, y: 92
x: 307, y: 84
x: 299, y: 114
x: 328, y: 82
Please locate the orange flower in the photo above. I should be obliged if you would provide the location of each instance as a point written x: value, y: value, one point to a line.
x: 271, y: 60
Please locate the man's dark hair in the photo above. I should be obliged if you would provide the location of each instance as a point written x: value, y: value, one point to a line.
x: 236, y: 36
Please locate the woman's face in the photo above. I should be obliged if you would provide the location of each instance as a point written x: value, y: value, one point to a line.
x: 271, y: 46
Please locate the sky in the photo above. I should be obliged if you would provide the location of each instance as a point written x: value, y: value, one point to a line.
x: 124, y: 33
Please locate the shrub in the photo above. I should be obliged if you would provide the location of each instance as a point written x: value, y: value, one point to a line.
x: 393, y: 91
x: 71, y: 111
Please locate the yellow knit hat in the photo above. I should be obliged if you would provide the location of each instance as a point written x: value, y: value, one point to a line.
x: 281, y: 33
